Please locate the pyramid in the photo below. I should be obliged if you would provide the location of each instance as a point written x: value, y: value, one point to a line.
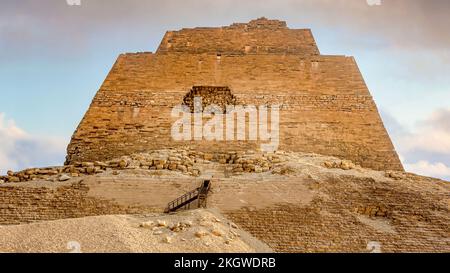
x: 325, y: 105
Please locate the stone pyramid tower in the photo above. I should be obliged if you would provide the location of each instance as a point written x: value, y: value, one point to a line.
x: 326, y: 107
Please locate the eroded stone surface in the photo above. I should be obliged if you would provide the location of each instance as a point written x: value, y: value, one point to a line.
x: 310, y: 208
x: 326, y: 107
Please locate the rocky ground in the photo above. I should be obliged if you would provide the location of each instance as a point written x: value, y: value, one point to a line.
x: 176, y: 160
x: 188, y: 163
x: 188, y: 231
x: 293, y: 202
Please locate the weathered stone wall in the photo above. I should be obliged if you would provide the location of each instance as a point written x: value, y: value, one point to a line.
x: 291, y: 214
x: 116, y: 194
x: 326, y: 107
x: 38, y: 202
x: 352, y: 213
x: 256, y: 37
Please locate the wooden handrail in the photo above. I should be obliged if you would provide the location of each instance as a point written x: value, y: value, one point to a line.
x: 187, y: 198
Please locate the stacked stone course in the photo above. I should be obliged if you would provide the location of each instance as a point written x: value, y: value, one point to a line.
x: 26, y: 204
x: 354, y: 211
x: 180, y: 160
x: 339, y: 211
x: 326, y: 107
x: 326, y: 204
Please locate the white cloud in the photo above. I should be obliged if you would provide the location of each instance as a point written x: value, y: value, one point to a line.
x: 20, y: 150
x: 432, y: 140
x: 431, y: 135
x: 429, y: 169
x: 405, y: 24
x: 426, y: 149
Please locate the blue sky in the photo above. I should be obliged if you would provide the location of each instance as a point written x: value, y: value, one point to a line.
x: 54, y: 57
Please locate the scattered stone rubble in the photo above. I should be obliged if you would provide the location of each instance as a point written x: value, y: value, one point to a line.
x: 373, y: 211
x: 201, y: 228
x: 178, y: 160
x: 134, y: 233
x: 395, y: 175
x: 341, y: 164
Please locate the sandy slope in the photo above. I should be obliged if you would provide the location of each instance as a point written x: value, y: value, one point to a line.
x: 194, y: 231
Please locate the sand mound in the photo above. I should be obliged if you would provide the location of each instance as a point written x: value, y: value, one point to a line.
x: 187, y: 231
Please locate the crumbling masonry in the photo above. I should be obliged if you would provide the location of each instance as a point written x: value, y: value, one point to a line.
x: 326, y: 107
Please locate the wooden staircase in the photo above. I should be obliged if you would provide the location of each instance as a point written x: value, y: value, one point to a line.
x: 200, y: 194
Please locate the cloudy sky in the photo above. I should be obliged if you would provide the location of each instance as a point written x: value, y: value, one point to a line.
x: 53, y: 58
